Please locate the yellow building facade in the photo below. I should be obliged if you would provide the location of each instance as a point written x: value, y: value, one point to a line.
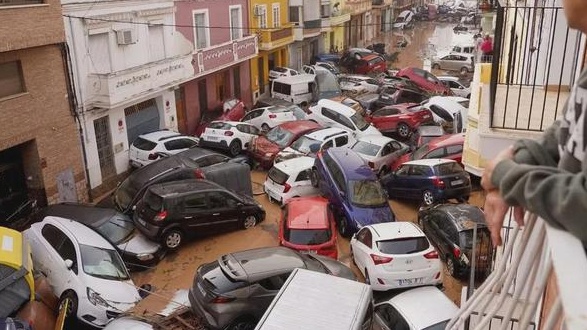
x: 340, y: 17
x: 269, y: 20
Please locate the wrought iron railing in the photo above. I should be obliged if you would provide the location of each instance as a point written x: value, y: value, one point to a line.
x: 536, y: 59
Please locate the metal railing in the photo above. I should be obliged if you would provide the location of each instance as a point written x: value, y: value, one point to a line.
x: 536, y: 59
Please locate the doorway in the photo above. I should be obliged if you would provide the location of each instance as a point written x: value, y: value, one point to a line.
x: 261, y: 68
x: 202, y: 97
x: 104, y: 146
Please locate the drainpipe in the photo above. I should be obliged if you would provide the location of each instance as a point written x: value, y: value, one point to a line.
x: 73, y: 106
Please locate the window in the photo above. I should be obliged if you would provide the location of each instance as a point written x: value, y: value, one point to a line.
x: 453, y: 150
x: 201, y: 30
x: 365, y: 237
x: 99, y: 52
x: 436, y: 153
x: 391, y: 317
x: 236, y: 78
x: 53, y: 235
x: 386, y: 150
x: 276, y: 15
x: 11, y: 79
x: 261, y: 16
x: 210, y: 160
x: 294, y: 14
x: 281, y: 88
x: 346, y: 122
x: 236, y: 22
x: 303, y: 176
x: 156, y: 42
x: 196, y: 202
x: 179, y: 144
x: 218, y: 200
x: 329, y: 114
x: 274, y: 283
x: 341, y: 140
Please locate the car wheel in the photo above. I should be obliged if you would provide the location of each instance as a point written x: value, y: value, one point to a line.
x: 314, y: 178
x: 172, y: 239
x: 428, y: 198
x: 243, y: 323
x: 403, y: 130
x: 436, y: 66
x: 464, y: 70
x: 367, y: 280
x: 343, y: 227
x: 71, y: 312
x: 451, y: 266
x: 265, y: 128
x: 235, y: 148
x: 249, y: 222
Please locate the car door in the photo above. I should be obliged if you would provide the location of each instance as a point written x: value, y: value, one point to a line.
x: 224, y: 211
x: 253, y: 117
x: 388, y: 154
x: 247, y: 133
x: 345, y: 123
x: 386, y: 317
x: 58, y: 247
x: 194, y: 214
x: 417, y: 180
x: 382, y: 119
x: 363, y: 248
x: 303, y: 185
x: 397, y: 186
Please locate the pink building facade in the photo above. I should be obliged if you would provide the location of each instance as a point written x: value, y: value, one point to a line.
x: 223, y: 46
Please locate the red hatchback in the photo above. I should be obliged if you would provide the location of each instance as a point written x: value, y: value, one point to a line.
x: 425, y: 80
x: 448, y: 146
x: 307, y: 225
x: 263, y: 149
x: 372, y: 63
x: 400, y: 118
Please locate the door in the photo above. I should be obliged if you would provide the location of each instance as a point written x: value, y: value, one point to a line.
x: 383, y: 119
x: 193, y: 214
x: 386, y: 317
x: 56, y: 247
x: 224, y: 211
x: 397, y: 186
x: 104, y: 147
x: 253, y: 117
x: 180, y: 109
x: 261, y: 68
x: 66, y: 186
x: 141, y: 118
x: 202, y: 97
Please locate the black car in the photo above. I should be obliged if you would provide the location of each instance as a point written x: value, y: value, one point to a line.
x: 450, y: 229
x: 136, y: 250
x: 171, y: 211
x: 194, y: 163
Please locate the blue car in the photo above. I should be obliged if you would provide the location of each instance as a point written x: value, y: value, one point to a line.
x: 429, y: 180
x: 334, y: 58
x: 357, y: 197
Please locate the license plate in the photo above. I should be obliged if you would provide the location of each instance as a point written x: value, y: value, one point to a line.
x: 457, y: 182
x: 142, y: 222
x: 411, y: 281
x: 212, y: 138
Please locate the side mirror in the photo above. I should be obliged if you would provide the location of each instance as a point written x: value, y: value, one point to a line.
x: 68, y: 263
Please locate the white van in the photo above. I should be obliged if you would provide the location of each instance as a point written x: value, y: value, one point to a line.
x: 300, y: 89
x: 317, y: 301
x: 403, y: 20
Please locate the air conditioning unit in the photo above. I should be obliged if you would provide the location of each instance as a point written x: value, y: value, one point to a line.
x: 126, y: 36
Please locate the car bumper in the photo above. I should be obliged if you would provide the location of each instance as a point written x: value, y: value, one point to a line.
x: 151, y: 231
x: 94, y: 315
x: 264, y: 161
x: 454, y: 193
x: 382, y: 280
x: 212, y: 144
x: 199, y: 310
x: 133, y: 262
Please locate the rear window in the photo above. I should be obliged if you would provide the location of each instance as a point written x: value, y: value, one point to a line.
x: 143, y: 144
x: 220, y: 125
x: 153, y: 201
x: 280, y: 69
x: 448, y: 168
x: 278, y: 109
x: 466, y: 237
x: 277, y: 175
x: 366, y: 148
x: 307, y: 236
x: 367, y: 193
x: 406, y: 245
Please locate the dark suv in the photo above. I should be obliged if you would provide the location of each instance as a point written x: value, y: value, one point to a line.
x: 450, y: 229
x: 355, y: 193
x: 170, y: 211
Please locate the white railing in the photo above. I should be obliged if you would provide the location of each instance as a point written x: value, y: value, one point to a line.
x: 539, y: 282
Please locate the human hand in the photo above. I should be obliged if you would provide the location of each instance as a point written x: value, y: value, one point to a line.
x: 495, y: 209
x: 507, y: 153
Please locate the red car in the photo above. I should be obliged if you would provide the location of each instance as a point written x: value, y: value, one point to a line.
x: 371, y: 63
x: 425, y: 80
x: 263, y: 149
x: 399, y: 118
x: 307, y: 225
x: 232, y: 110
x: 448, y: 146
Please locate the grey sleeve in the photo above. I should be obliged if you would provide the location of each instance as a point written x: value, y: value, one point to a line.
x: 556, y: 195
x: 542, y: 152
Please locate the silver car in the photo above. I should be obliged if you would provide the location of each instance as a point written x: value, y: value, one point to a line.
x: 234, y: 291
x: 462, y: 63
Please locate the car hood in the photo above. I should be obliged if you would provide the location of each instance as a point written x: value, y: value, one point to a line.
x: 365, y: 216
x: 139, y: 244
x: 371, y: 130
x: 122, y: 295
x: 265, y: 146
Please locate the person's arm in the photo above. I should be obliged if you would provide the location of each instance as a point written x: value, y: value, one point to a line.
x: 542, y: 152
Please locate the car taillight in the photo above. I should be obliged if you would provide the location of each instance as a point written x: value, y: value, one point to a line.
x: 378, y: 260
x: 160, y: 216
x: 199, y: 174
x: 228, y: 133
x: 371, y: 164
x: 286, y: 187
x: 456, y: 252
x: 222, y: 300
x: 153, y: 156
x: 431, y: 255
x: 437, y: 182
x: 272, y: 116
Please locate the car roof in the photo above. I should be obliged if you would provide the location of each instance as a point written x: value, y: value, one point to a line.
x: 324, y: 133
x: 379, y: 140
x: 297, y: 126
x: 159, y: 135
x: 424, y: 306
x: 452, y: 78
x: 392, y: 230
x: 295, y: 165
x: 300, y: 78
x: 256, y: 264
x: 356, y: 76
x: 351, y: 163
x: 82, y: 233
x: 451, y: 100
x: 429, y: 161
x: 307, y: 213
x: 87, y: 214
x: 173, y: 188
x: 447, y: 140
x: 465, y: 215
x: 233, y: 123
x: 337, y: 106
x: 274, y: 101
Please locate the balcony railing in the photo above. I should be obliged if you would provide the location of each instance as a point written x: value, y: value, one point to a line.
x: 273, y: 38
x: 536, y: 61
x: 537, y: 283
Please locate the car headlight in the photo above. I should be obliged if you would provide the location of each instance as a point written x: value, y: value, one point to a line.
x: 145, y: 256
x: 95, y: 298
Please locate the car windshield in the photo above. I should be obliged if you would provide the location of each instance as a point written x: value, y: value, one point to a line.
x: 449, y: 168
x: 278, y: 109
x: 466, y: 237
x: 420, y: 152
x: 307, y: 236
x: 279, y: 136
x: 359, y: 121
x: 367, y: 193
x: 404, y: 245
x: 117, y: 229
x: 464, y: 103
x: 125, y: 193
x: 306, y: 145
x: 102, y: 263
x: 220, y: 125
x: 366, y: 148
x: 327, y: 83
x: 280, y: 69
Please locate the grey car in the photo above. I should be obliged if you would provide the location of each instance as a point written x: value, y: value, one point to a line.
x: 234, y: 291
x: 462, y: 63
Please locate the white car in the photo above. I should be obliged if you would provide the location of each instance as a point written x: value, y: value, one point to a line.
x: 233, y: 136
x: 330, y: 113
x: 395, y: 255
x: 290, y: 178
x: 357, y: 84
x: 447, y: 110
x: 415, y: 309
x: 455, y: 86
x: 82, y: 268
x: 268, y: 117
x: 311, y: 143
x: 379, y: 151
x: 281, y: 71
x: 149, y: 147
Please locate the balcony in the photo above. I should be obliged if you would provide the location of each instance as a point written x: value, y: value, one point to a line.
x: 339, y: 17
x: 270, y: 39
x: 308, y: 29
x: 537, y: 283
x: 358, y: 7
x: 325, y: 25
x: 219, y: 56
